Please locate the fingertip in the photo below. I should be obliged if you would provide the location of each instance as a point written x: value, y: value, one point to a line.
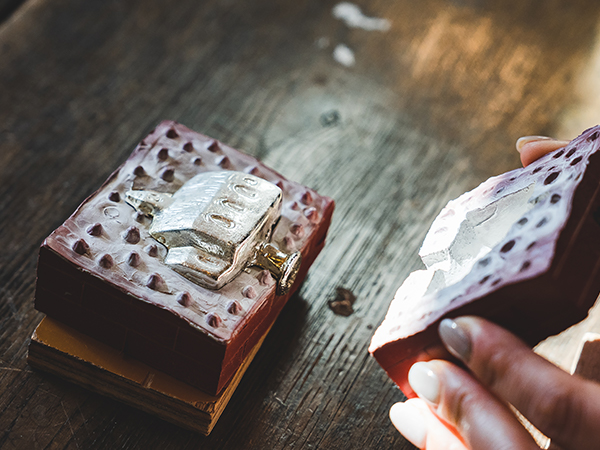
x: 456, y: 338
x: 532, y: 148
x: 410, y: 422
x: 522, y: 141
x: 424, y: 381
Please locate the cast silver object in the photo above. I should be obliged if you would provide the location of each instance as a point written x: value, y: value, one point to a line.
x: 217, y: 224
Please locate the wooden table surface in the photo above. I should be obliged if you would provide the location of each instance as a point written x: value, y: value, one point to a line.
x: 430, y: 108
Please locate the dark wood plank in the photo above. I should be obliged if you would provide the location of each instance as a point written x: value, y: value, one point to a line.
x: 430, y: 109
x: 8, y: 8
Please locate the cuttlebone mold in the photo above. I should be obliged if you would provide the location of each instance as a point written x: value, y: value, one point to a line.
x: 502, y: 232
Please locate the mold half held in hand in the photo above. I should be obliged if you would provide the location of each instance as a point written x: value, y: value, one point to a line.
x: 522, y: 249
x: 493, y: 225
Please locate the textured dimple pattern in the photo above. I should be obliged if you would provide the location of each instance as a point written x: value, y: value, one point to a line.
x: 525, y: 251
x: 107, y: 238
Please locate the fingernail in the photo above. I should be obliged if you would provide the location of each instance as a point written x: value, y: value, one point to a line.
x: 527, y: 139
x: 409, y: 421
x: 455, y: 338
x: 424, y: 382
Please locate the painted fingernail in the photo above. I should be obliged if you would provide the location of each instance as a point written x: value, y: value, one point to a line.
x: 455, y: 338
x: 409, y: 421
x: 424, y: 382
x: 527, y: 139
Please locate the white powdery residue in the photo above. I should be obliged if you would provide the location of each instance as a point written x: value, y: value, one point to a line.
x: 352, y: 16
x: 322, y: 42
x: 344, y: 55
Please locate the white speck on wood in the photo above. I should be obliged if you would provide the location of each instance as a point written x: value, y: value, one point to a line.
x: 344, y: 55
x: 322, y: 42
x: 353, y: 17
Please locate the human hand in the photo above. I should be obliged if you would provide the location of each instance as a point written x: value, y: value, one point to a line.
x: 458, y: 410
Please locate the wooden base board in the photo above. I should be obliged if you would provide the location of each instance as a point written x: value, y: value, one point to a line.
x: 60, y: 350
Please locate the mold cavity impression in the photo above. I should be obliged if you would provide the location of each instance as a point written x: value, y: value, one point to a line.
x: 449, y: 257
x: 508, y: 250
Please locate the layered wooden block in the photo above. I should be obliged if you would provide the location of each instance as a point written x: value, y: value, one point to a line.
x: 80, y: 359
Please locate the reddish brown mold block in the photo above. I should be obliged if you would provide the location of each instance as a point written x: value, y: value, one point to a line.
x: 101, y: 272
x: 534, y: 268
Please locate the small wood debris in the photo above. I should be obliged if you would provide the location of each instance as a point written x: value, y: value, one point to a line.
x: 342, y: 303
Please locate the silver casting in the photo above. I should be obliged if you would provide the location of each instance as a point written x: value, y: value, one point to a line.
x: 217, y: 224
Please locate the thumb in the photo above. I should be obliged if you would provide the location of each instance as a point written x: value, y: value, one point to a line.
x: 462, y: 404
x: 564, y: 407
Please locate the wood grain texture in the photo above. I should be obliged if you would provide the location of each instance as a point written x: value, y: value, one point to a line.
x: 8, y: 7
x: 431, y: 108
